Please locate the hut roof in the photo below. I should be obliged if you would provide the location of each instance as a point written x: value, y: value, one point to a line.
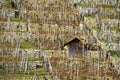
x: 75, y: 40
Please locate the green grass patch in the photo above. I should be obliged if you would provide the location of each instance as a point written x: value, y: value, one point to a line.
x: 114, y: 53
x: 16, y: 19
x: 34, y: 59
x: 41, y: 71
x: 107, y: 6
x: 90, y: 16
x: 26, y: 45
x: 82, y: 5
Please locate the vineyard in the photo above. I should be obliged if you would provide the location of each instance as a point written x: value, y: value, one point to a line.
x: 33, y: 34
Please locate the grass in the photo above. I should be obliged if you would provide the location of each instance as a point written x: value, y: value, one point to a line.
x: 7, y: 4
x: 33, y: 59
x: 82, y: 5
x: 26, y: 45
x: 41, y: 71
x: 16, y: 19
x: 105, y: 6
x: 90, y: 16
x: 114, y: 53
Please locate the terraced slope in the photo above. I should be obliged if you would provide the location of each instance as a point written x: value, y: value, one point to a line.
x: 47, y: 24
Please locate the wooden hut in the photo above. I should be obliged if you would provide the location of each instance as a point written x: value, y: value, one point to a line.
x: 74, y: 47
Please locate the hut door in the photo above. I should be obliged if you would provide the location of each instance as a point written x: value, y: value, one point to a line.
x: 71, y: 52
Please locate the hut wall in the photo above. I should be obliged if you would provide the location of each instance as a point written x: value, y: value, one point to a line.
x: 75, y: 50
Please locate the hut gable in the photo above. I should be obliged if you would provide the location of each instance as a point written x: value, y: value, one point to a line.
x: 74, y: 42
x: 74, y: 47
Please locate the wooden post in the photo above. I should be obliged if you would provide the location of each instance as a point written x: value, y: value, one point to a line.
x: 26, y: 65
x: 93, y: 63
x: 50, y: 67
x: 23, y: 60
